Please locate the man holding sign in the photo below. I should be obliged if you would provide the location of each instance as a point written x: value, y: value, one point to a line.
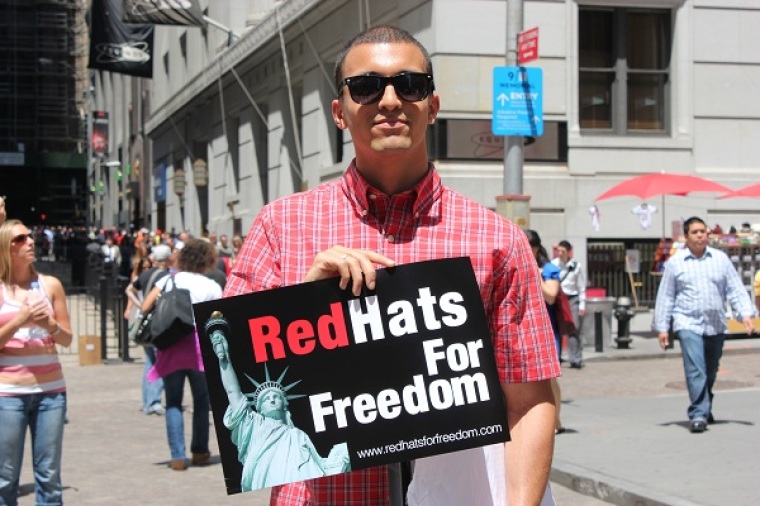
x: 391, y: 208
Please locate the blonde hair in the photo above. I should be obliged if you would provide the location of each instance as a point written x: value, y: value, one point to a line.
x: 6, y: 236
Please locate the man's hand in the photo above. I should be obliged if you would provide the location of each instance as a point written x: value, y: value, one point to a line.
x: 357, y: 266
x: 664, y: 340
x: 748, y: 325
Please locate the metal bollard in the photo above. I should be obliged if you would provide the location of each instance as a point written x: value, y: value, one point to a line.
x: 598, y: 337
x: 103, y: 282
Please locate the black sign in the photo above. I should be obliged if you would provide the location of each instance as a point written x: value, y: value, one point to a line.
x: 117, y: 47
x: 403, y: 372
x: 164, y: 12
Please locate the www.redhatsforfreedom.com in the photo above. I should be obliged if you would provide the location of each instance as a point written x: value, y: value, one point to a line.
x: 427, y: 441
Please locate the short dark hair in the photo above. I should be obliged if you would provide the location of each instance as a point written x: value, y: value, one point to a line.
x: 565, y: 244
x: 196, y: 256
x: 693, y: 219
x: 383, y: 34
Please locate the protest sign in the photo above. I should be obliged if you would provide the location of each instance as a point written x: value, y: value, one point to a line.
x: 344, y: 383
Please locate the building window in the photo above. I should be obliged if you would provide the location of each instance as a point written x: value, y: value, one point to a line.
x: 624, y: 70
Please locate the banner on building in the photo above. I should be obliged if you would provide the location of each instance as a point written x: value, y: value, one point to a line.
x: 309, y: 380
x: 164, y: 12
x: 116, y: 46
x: 159, y: 183
x: 99, y: 139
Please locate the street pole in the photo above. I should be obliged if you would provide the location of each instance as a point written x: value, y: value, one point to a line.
x: 89, y: 181
x: 513, y: 145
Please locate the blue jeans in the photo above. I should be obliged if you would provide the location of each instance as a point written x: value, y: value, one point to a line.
x: 151, y: 391
x: 701, y: 357
x: 174, y: 386
x: 44, y: 414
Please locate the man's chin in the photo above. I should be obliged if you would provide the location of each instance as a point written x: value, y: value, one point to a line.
x: 391, y: 144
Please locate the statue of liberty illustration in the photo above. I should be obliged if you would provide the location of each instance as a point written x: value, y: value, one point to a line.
x: 272, y: 450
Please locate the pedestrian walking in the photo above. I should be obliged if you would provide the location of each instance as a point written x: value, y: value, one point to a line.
x: 550, y: 287
x: 692, y: 295
x: 572, y: 280
x: 182, y: 360
x: 136, y: 292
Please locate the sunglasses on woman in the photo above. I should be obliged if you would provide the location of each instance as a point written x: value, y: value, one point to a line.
x: 21, y: 238
x: 409, y: 86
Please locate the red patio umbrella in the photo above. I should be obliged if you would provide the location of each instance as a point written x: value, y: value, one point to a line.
x: 752, y: 191
x: 660, y: 184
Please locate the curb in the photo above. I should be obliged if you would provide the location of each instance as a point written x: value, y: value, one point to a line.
x: 610, y: 489
x: 731, y: 346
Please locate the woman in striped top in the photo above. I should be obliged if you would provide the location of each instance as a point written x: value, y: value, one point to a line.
x: 33, y: 319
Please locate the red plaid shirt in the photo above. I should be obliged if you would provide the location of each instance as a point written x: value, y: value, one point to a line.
x: 427, y: 222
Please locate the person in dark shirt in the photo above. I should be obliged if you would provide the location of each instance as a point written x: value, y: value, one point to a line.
x: 136, y: 291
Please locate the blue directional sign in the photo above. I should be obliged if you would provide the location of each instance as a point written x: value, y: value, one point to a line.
x: 518, y: 101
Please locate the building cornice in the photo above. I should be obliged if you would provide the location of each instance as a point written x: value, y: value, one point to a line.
x: 254, y: 39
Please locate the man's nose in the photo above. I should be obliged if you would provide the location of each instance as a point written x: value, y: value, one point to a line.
x: 390, y: 98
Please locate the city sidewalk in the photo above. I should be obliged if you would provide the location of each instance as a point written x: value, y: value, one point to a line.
x: 114, y: 454
x: 637, y: 450
x: 625, y: 450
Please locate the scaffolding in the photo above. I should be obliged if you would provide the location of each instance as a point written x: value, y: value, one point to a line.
x: 42, y: 82
x: 43, y: 49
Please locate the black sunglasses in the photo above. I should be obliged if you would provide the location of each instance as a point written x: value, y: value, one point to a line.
x: 410, y: 86
x: 21, y: 238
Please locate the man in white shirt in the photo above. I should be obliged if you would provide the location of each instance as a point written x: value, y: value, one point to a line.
x: 572, y: 279
x: 111, y: 256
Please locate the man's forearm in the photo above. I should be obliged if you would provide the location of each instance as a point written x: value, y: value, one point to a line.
x: 530, y: 411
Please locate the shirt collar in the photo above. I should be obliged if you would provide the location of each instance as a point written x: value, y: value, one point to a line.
x: 690, y: 255
x: 425, y: 193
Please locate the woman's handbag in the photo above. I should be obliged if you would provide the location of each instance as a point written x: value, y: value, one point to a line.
x: 171, y: 317
x: 139, y: 330
x: 565, y: 320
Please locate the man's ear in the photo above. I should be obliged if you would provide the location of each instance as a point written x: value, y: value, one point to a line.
x: 435, y: 106
x: 337, y: 113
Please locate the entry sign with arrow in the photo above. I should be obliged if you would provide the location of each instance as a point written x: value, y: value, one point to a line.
x: 518, y: 101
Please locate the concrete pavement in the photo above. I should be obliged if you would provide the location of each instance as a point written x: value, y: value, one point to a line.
x: 627, y: 441
x: 116, y: 455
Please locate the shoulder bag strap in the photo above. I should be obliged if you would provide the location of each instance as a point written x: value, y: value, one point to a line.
x: 567, y: 272
x: 172, y: 281
x: 152, y: 280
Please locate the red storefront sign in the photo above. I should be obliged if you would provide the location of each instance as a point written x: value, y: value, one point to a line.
x: 527, y: 46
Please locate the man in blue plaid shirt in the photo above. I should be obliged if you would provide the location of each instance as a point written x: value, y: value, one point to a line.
x: 695, y: 285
